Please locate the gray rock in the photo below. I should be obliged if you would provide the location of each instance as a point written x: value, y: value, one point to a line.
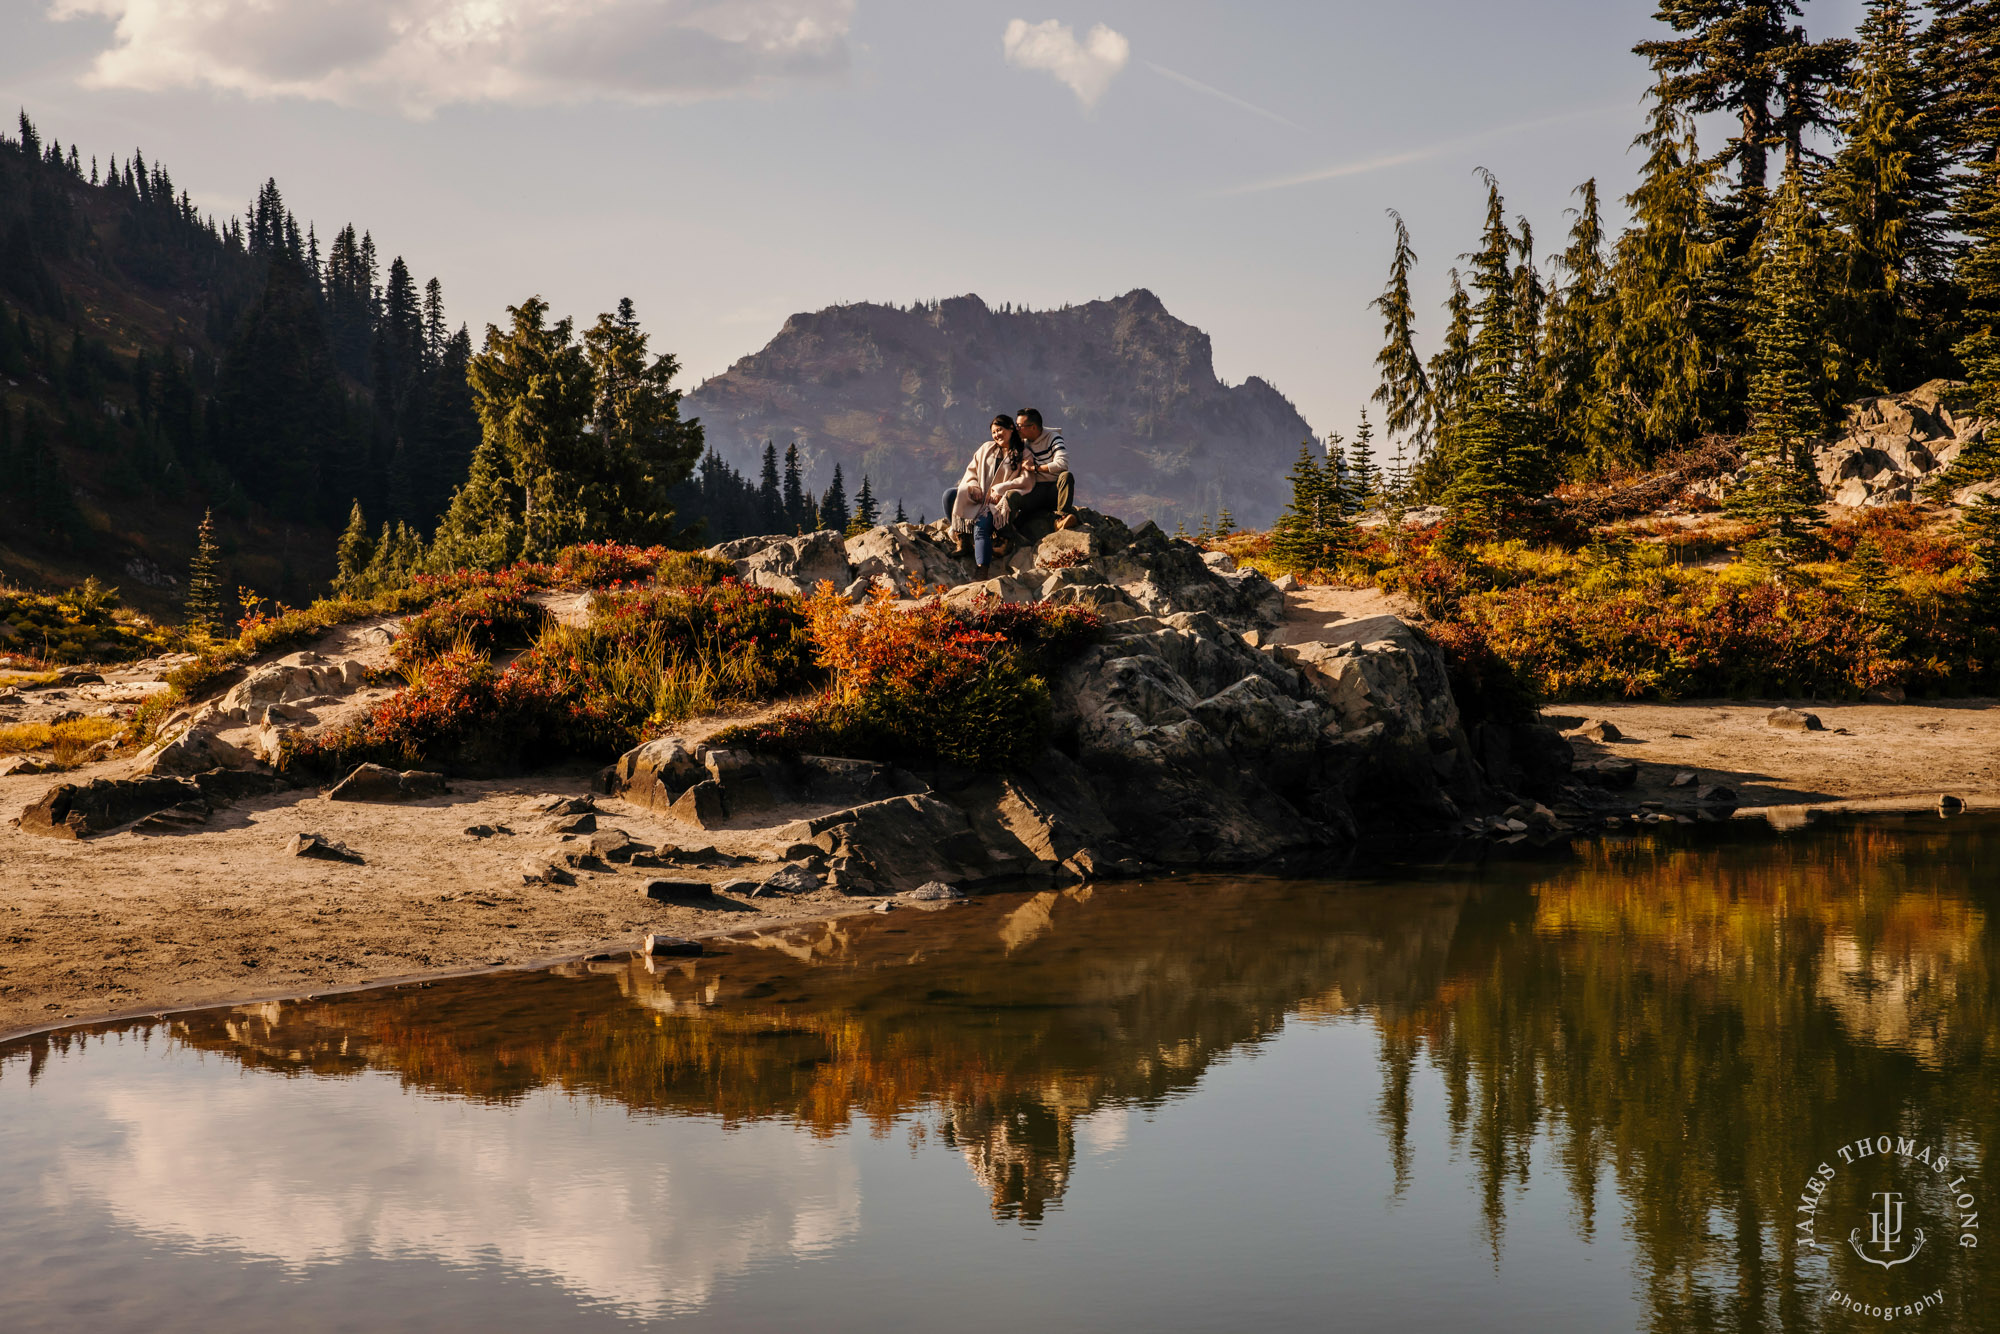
x: 678, y: 889
x: 1598, y: 729
x: 886, y: 905
x: 655, y: 774
x: 794, y: 565
x: 1685, y: 778
x: 174, y: 819
x: 1612, y: 773
x: 791, y: 880
x: 741, y: 888
x: 934, y: 890
x: 613, y: 845
x: 75, y: 811
x: 541, y: 871
x: 1793, y: 720
x: 22, y: 764
x: 1715, y: 794
x: 703, y: 804
x: 323, y: 849
x: 375, y: 782
x: 559, y: 806
x: 572, y: 824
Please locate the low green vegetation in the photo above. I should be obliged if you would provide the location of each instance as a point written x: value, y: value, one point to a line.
x: 80, y: 624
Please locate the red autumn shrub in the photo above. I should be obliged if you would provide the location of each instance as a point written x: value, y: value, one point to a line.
x: 489, y: 617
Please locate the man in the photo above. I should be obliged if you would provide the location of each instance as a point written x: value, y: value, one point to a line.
x: 1055, y: 487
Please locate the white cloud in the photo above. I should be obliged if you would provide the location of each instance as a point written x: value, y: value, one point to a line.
x: 646, y: 1216
x: 418, y: 55
x: 1087, y: 66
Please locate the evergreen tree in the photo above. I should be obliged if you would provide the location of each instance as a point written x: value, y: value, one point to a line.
x: 1450, y: 373
x: 354, y: 551
x: 867, y: 512
x: 1576, y: 329
x: 1962, y: 55
x: 1309, y: 534
x: 770, y: 500
x: 204, y: 587
x: 1667, y: 371
x: 1494, y: 463
x: 1885, y: 194
x: 900, y: 516
x: 1779, y: 491
x: 580, y: 440
x: 798, y: 516
x: 1364, y: 486
x: 833, y: 511
x: 1404, y: 392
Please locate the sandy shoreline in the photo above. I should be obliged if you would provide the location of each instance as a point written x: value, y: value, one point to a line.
x: 136, y: 924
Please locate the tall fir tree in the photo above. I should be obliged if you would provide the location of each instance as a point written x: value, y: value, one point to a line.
x: 1450, y: 374
x: 1495, y: 464
x: 1778, y: 491
x: 203, y: 604
x: 1298, y: 536
x: 1885, y: 195
x: 1667, y: 372
x: 353, y: 552
x: 770, y: 499
x: 1962, y: 61
x: 867, y: 510
x: 1404, y: 391
x: 1364, y: 477
x: 1576, y: 327
x: 799, y: 514
x: 833, y: 510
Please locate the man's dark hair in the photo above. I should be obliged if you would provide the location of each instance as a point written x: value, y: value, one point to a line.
x: 1032, y: 414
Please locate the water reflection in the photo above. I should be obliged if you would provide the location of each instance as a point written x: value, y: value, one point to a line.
x: 1671, y: 1034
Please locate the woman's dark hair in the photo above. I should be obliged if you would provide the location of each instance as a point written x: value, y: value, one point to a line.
x: 1015, y: 444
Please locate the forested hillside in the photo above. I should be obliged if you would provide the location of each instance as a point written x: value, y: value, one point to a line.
x: 1816, y: 220
x: 155, y: 363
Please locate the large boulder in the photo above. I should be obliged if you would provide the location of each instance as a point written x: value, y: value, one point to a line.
x: 903, y: 555
x: 191, y: 750
x: 78, y: 810
x: 794, y: 565
x: 297, y: 676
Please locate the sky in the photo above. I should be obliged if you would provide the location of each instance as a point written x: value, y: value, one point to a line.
x: 727, y: 163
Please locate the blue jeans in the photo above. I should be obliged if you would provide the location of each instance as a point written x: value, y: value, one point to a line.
x: 982, y: 539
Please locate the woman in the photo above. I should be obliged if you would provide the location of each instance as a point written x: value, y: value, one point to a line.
x: 998, y: 474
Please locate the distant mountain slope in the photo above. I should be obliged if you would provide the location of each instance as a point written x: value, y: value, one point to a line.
x: 905, y: 395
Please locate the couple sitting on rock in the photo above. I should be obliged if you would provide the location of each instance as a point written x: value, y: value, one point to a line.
x: 1022, y: 470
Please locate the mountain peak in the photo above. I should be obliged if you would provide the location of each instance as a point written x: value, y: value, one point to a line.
x: 904, y: 395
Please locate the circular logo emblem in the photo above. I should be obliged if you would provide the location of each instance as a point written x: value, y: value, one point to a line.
x: 1887, y: 1214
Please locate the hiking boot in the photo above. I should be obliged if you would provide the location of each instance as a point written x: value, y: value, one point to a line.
x: 1065, y: 522
x: 965, y: 546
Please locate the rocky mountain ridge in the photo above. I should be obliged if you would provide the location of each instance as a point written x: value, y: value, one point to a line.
x: 905, y: 395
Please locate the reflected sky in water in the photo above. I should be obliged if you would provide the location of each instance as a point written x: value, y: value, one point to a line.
x: 1580, y: 1093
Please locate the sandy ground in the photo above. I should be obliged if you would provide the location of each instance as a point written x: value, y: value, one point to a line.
x: 1869, y: 753
x: 132, y: 921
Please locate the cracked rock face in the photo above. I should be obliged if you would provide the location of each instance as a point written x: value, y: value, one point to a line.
x: 1894, y: 445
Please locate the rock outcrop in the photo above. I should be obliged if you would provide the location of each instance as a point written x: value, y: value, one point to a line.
x: 1189, y: 734
x: 1894, y: 445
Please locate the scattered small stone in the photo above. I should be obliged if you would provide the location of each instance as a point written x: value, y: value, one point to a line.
x: 174, y: 819
x: 1947, y: 804
x: 792, y: 880
x: 324, y: 849
x: 1614, y: 773
x: 79, y: 679
x: 656, y: 945
x: 613, y: 845
x: 539, y: 872
x: 1597, y: 729
x: 1793, y: 720
x: 376, y: 782
x: 1285, y: 583
x: 66, y: 716
x: 1516, y: 826
x: 584, y: 823
x: 1681, y: 736
x: 745, y: 888
x: 1685, y: 778
x: 886, y: 905
x: 798, y: 850
x: 1715, y: 794
x: 566, y: 806
x: 487, y: 830
x: 21, y: 764
x: 679, y: 889
x: 934, y: 890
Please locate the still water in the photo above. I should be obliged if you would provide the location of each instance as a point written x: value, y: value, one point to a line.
x: 1589, y: 1092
